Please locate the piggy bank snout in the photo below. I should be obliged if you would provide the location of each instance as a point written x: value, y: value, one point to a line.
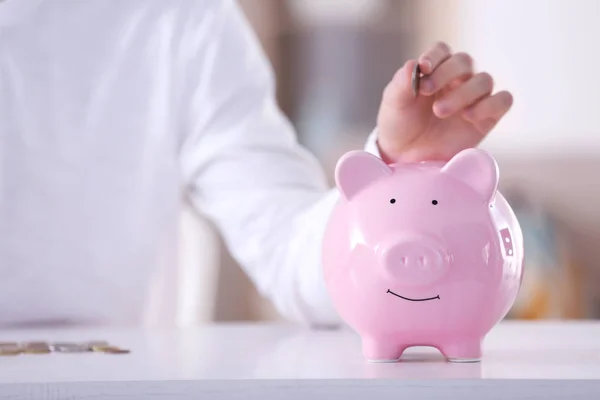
x: 414, y: 260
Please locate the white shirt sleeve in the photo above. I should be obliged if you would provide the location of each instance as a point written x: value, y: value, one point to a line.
x: 267, y: 196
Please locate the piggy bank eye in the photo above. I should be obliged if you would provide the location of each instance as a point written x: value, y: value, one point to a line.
x: 392, y: 201
x: 434, y: 202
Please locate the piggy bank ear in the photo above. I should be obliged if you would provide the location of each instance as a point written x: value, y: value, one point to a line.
x: 358, y: 169
x: 477, y: 169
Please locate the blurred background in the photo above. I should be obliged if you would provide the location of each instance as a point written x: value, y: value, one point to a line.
x: 333, y: 58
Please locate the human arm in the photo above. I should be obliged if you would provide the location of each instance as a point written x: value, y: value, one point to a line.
x: 246, y: 172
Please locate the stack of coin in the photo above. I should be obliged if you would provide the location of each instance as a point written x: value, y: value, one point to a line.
x: 40, y: 347
x: 10, y: 349
x: 35, y: 348
x: 69, y: 347
x: 109, y: 349
x: 98, y: 346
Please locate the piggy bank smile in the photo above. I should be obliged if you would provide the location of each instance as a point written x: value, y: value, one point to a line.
x: 409, y: 299
x: 402, y: 237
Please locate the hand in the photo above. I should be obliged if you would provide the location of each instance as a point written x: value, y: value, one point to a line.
x: 454, y: 110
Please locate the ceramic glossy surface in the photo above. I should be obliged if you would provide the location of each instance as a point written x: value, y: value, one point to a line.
x: 427, y: 254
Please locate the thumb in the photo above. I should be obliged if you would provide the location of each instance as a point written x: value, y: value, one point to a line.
x: 399, y: 93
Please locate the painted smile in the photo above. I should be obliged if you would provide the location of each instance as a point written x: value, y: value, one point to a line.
x: 406, y: 298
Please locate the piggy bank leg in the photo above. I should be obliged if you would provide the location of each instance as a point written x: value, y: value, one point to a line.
x: 381, y: 349
x: 463, y: 350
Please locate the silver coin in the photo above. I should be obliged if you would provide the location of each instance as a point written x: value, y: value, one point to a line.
x: 416, y: 77
x: 68, y: 347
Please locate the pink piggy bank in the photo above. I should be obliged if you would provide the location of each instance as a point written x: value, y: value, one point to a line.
x: 425, y: 254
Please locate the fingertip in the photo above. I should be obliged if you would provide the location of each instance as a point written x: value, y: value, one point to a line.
x: 426, y: 65
x: 441, y: 109
x: 506, y: 103
x: 398, y: 91
x: 509, y: 100
x: 434, y: 56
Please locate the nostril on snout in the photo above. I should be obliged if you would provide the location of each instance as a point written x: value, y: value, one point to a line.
x: 414, y: 262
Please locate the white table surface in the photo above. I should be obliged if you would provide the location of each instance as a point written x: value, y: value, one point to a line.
x: 521, y: 361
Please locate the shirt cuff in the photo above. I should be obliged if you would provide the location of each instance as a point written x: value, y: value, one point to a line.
x: 371, y: 144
